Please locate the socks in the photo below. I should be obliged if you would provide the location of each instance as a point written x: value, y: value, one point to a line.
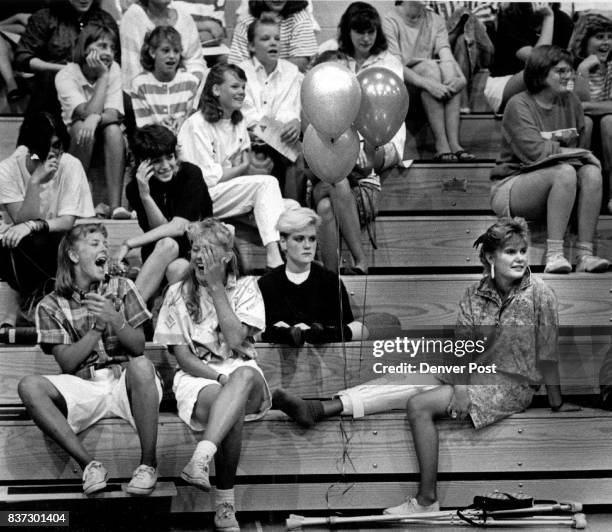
x: 206, y: 447
x: 222, y: 496
x: 304, y: 412
x: 553, y: 247
x: 583, y: 249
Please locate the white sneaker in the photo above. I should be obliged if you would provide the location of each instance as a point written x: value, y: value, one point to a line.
x: 94, y: 477
x: 592, y: 264
x: 557, y: 264
x: 225, y: 518
x: 197, y: 470
x: 143, y: 480
x: 411, y: 506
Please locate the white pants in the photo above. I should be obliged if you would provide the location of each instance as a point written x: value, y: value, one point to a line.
x: 258, y: 193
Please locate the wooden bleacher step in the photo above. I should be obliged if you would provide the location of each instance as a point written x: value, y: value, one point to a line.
x: 74, y: 492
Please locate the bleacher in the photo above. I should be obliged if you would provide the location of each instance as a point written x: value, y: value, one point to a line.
x: 431, y: 214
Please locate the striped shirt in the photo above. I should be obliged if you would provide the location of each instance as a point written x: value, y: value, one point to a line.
x: 297, y: 38
x: 62, y: 321
x: 276, y: 95
x: 600, y: 82
x: 167, y: 103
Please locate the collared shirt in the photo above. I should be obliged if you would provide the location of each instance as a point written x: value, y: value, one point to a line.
x: 520, y: 331
x: 157, y: 101
x: 297, y: 37
x: 276, y: 95
x: 65, y: 194
x: 73, y: 89
x: 389, y: 61
x: 212, y: 146
x: 64, y: 321
x: 175, y: 326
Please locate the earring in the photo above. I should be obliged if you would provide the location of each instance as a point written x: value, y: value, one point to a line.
x: 492, y: 270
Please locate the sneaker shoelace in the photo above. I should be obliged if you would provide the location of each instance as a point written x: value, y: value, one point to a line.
x: 143, y: 471
x: 225, y: 511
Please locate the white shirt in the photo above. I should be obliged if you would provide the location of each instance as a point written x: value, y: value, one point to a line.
x: 73, y: 89
x: 276, y: 95
x: 212, y: 146
x: 66, y: 194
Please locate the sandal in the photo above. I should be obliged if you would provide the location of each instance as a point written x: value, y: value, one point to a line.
x: 464, y: 156
x: 446, y: 157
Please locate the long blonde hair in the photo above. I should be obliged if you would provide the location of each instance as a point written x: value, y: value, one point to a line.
x: 214, y: 233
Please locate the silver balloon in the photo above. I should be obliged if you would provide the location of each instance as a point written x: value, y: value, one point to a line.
x: 331, y: 160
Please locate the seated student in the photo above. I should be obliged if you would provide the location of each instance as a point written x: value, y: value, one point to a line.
x: 523, y: 311
x: 92, y: 325
x: 419, y: 39
x: 165, y: 93
x: 542, y: 171
x: 90, y: 94
x: 208, y: 322
x: 297, y: 38
x: 11, y: 29
x: 591, y: 45
x: 273, y: 91
x: 216, y: 139
x: 521, y: 27
x: 301, y: 297
x: 42, y: 191
x: 166, y: 195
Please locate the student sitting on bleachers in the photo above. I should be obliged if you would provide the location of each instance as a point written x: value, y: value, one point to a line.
x: 419, y: 39
x: 89, y: 91
x: 142, y: 17
x: 48, y: 44
x: 521, y: 26
x: 273, y: 92
x: 208, y: 322
x: 165, y: 93
x: 166, y: 195
x: 216, y: 139
x: 516, y: 315
x: 92, y: 325
x: 302, y: 298
x: 591, y: 45
x: 297, y: 38
x: 42, y: 191
x: 542, y: 166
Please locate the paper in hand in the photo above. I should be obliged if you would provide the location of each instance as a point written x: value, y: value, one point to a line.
x: 269, y: 130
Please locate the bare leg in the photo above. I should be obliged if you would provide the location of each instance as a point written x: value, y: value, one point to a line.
x: 422, y: 410
x: 150, y: 277
x: 434, y: 109
x: 144, y: 401
x: 81, y: 151
x: 606, y: 148
x: 589, y: 201
x: 177, y: 270
x: 550, y: 192
x: 6, y: 69
x: 461, y: 56
x: 114, y: 164
x: 328, y: 235
x: 47, y: 408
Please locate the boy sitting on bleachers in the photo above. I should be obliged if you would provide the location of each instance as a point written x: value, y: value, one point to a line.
x: 92, y: 325
x: 166, y: 195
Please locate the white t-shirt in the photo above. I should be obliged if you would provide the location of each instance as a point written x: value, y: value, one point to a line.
x: 67, y: 193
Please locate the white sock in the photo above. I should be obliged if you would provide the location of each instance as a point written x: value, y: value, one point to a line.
x: 206, y: 447
x: 222, y: 496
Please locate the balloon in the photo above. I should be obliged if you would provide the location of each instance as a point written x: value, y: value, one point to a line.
x: 384, y: 104
x: 331, y: 160
x: 330, y: 98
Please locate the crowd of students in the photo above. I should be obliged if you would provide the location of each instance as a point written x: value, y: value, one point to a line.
x: 141, y: 96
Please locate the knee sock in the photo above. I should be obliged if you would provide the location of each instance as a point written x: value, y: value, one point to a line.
x: 304, y: 412
x: 553, y: 247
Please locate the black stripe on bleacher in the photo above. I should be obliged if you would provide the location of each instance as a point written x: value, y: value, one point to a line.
x: 446, y: 213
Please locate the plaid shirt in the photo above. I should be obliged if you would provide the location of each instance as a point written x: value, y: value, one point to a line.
x: 62, y: 321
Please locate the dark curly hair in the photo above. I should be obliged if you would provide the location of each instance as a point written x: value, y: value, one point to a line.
x: 209, y: 103
x: 360, y: 17
x: 154, y: 39
x: 153, y: 141
x: 257, y: 7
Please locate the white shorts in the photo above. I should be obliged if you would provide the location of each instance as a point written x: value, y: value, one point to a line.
x: 89, y: 401
x: 494, y: 91
x: 186, y: 389
x: 365, y: 399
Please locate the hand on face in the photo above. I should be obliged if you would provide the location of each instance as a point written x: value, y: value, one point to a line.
x: 95, y: 64
x: 210, y: 263
x: 143, y: 176
x: 45, y: 172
